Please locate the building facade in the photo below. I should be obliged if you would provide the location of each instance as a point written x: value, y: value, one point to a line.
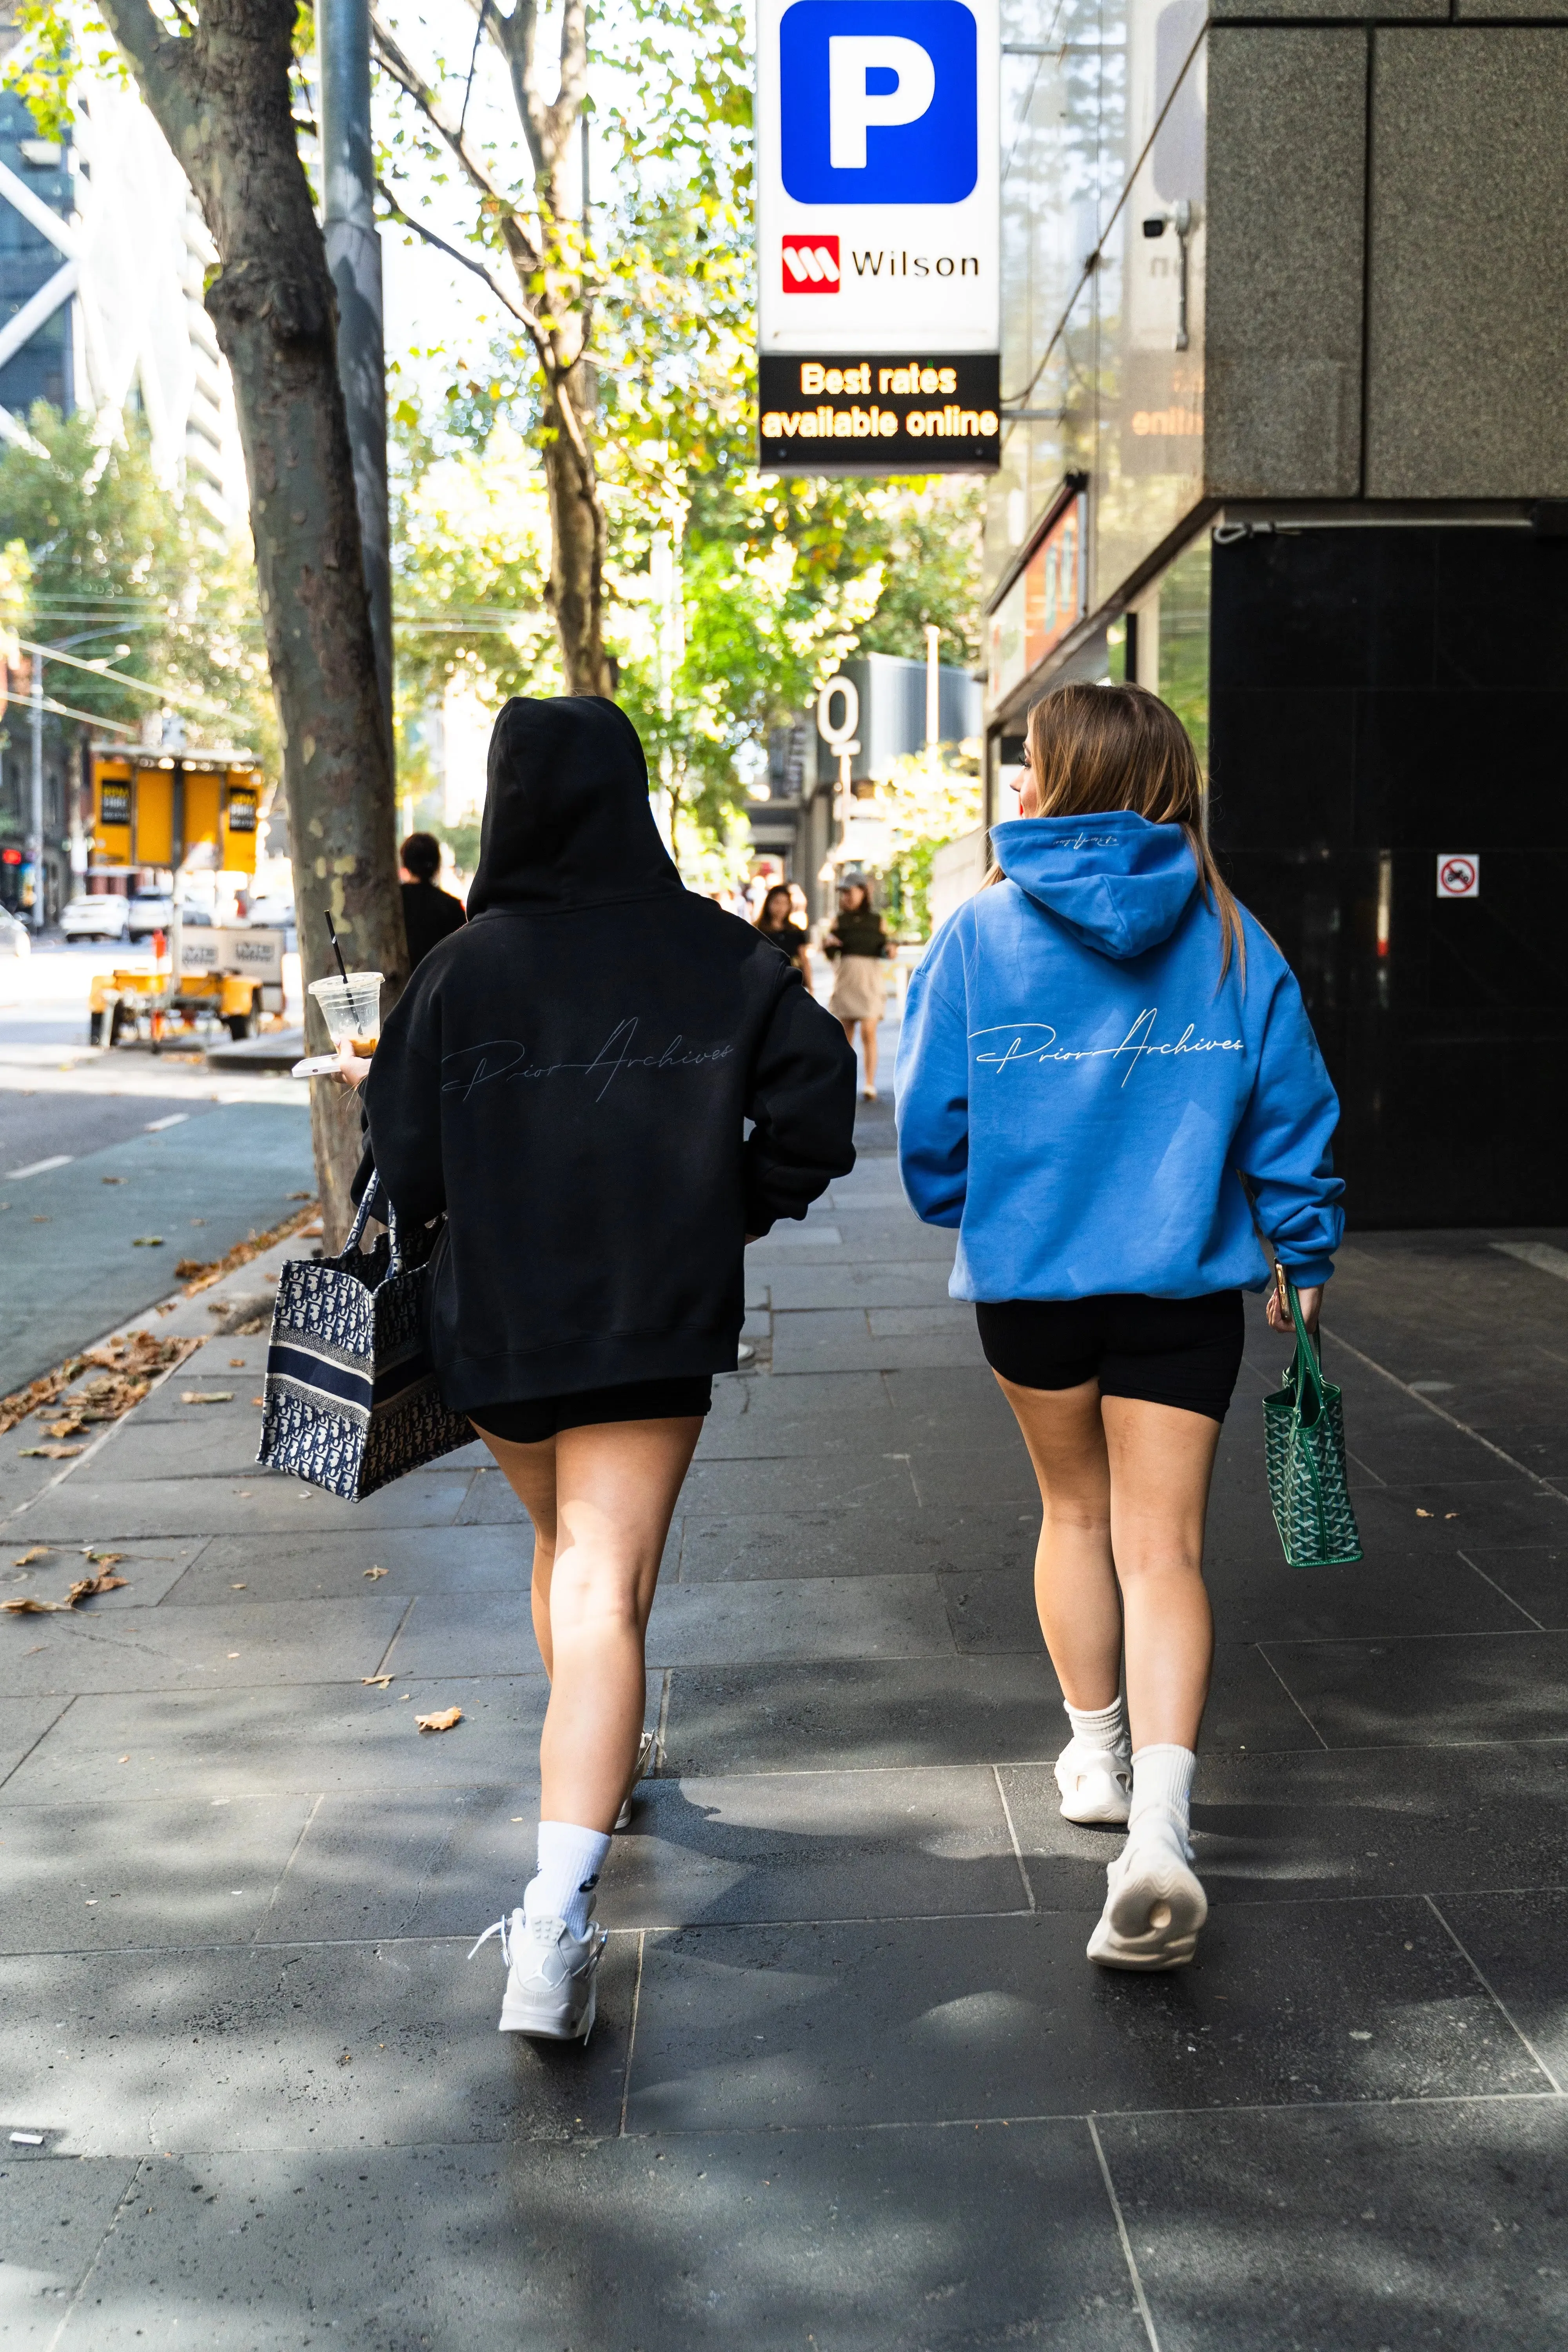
x: 1283, y: 308
x: 804, y: 822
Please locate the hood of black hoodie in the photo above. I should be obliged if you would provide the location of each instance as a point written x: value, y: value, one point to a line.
x: 567, y: 820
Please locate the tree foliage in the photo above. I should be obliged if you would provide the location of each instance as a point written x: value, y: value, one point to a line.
x: 114, y: 559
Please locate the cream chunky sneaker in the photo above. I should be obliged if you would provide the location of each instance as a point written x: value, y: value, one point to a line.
x: 1154, y: 1907
x: 1096, y: 1782
x: 550, y: 1985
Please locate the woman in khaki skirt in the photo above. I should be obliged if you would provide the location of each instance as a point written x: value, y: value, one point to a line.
x: 858, y: 944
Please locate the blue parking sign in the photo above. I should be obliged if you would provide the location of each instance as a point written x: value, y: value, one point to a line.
x: 879, y: 101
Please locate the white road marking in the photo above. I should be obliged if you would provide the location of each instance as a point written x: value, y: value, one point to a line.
x: 42, y: 1167
x: 1539, y: 1255
x: 156, y: 1125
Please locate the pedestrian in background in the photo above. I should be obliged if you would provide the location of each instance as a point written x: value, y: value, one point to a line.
x: 429, y: 915
x: 570, y: 1080
x: 858, y: 945
x: 775, y: 921
x: 1097, y: 1053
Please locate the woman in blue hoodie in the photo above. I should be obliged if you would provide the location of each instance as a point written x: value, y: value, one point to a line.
x: 1102, y: 1059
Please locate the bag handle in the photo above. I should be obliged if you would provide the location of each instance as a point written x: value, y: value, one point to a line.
x: 1307, y: 1364
x: 362, y: 1216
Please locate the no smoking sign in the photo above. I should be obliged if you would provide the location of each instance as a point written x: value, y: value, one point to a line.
x: 1458, y: 874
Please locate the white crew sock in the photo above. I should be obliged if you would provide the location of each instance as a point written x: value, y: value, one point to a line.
x: 1162, y: 1792
x: 570, y: 1860
x: 1099, y: 1727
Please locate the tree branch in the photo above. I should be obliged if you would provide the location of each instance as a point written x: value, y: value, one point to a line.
x: 413, y: 83
x: 520, y: 310
x: 155, y: 54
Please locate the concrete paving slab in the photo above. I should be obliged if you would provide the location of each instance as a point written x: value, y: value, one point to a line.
x: 132, y: 1868
x: 1429, y: 1691
x: 170, y: 1649
x: 722, y: 1489
x: 814, y: 1846
x: 339, y: 1568
x: 935, y: 2021
x: 23, y: 1723
x: 1341, y: 1826
x: 811, y: 1543
x: 920, y: 1283
x: 54, y: 2218
x: 1387, y: 2226
x: 1534, y: 1576
x: 411, y: 1860
x: 258, y: 1502
x: 1007, y: 2237
x: 830, y: 1343
x: 312, y: 1737
x: 1515, y: 1938
x: 836, y: 1717
x: 297, y: 2046
x: 151, y: 1569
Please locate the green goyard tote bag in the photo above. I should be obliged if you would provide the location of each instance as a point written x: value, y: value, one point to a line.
x: 1304, y: 1435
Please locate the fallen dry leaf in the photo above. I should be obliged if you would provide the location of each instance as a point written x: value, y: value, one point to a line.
x: 111, y: 1180
x: 148, y: 1241
x: 47, y: 1452
x: 373, y: 1571
x: 260, y: 1400
x: 187, y: 1266
x: 236, y: 1363
x: 376, y: 1682
x: 442, y: 1722
x: 34, y: 1551
x: 83, y: 1589
x: 1421, y: 1514
x: 101, y: 1558
x: 69, y: 1427
x: 206, y: 1396
x: 253, y: 1246
x: 125, y: 1369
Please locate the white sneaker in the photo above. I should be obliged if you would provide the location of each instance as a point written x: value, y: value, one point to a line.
x: 551, y: 1987
x: 645, y: 1757
x: 1096, y: 1782
x: 1154, y: 1907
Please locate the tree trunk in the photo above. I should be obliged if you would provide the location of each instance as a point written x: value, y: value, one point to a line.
x: 577, y: 544
x: 221, y: 97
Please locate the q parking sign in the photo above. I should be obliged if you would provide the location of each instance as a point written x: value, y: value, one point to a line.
x: 877, y: 222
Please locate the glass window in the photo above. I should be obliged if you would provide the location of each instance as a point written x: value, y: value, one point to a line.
x: 1182, y: 660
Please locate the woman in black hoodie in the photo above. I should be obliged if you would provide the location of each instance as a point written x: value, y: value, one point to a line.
x: 570, y: 1078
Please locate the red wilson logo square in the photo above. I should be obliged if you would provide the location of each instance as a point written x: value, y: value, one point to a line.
x: 811, y: 265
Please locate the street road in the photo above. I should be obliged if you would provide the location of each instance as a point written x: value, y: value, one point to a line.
x: 102, y: 1151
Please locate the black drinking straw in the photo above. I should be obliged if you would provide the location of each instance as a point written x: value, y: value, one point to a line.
x: 337, y: 951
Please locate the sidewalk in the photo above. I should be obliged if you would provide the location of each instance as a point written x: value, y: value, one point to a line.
x: 854, y: 2084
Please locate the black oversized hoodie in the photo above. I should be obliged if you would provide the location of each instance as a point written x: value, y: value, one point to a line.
x: 569, y: 1077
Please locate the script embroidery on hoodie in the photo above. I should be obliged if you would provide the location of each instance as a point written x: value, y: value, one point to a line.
x: 1139, y: 1041
x: 508, y: 1058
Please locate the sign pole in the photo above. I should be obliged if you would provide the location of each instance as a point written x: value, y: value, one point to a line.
x: 37, y: 808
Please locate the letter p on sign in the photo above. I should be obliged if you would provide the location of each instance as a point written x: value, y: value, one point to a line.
x: 853, y: 61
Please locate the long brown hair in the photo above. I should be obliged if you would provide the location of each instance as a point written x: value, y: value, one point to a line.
x: 1097, y: 747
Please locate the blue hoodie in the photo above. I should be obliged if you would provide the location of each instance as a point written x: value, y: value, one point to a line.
x: 1080, y: 1092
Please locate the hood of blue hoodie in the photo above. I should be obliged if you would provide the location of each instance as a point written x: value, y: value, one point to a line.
x: 1119, y: 883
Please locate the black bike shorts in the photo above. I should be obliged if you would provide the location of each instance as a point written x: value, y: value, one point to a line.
x: 1179, y: 1351
x: 537, y: 1418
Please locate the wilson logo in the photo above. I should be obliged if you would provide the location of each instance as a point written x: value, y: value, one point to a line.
x: 811, y: 265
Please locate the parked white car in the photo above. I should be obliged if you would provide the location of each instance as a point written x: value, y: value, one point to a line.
x: 104, y: 917
x: 151, y: 910
x: 14, y: 939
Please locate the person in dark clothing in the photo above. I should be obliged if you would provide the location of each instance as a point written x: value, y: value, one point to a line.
x: 777, y: 922
x: 570, y: 1078
x: 429, y: 915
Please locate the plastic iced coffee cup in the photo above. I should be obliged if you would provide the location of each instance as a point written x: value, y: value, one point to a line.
x: 352, y: 1011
